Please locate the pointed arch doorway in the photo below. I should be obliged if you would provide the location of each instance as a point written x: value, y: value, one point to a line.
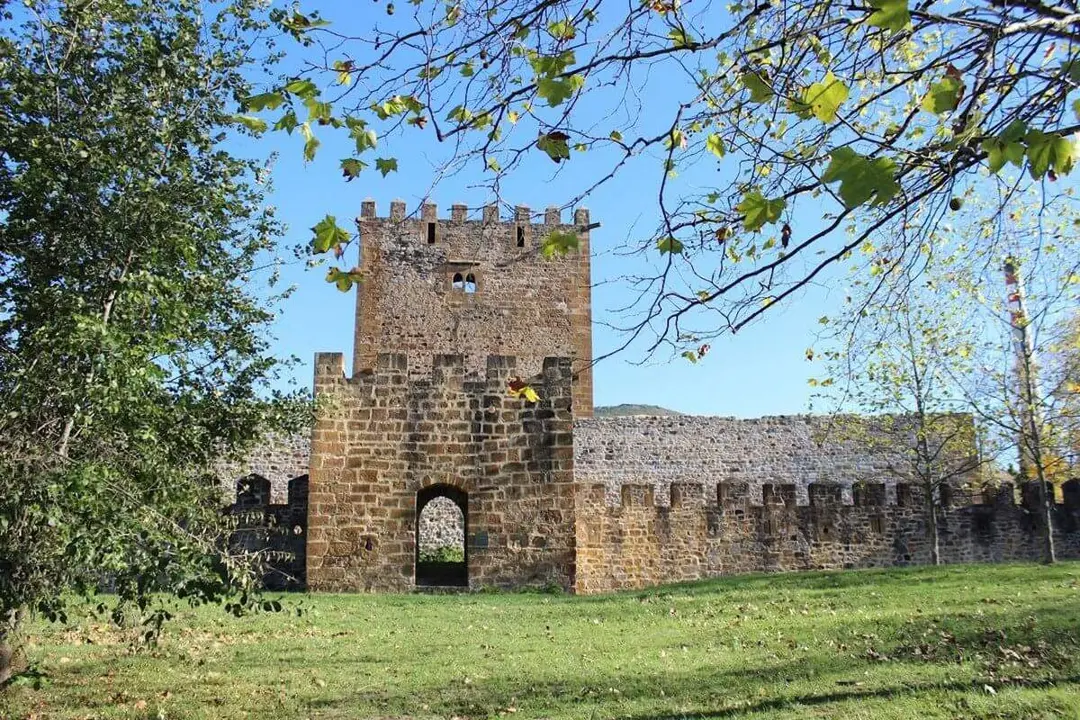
x: 442, y: 517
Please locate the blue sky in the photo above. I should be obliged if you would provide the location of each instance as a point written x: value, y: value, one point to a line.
x: 761, y: 371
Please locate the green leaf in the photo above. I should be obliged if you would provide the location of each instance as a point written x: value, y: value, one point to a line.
x: 311, y: 143
x: 460, y: 114
x: 555, y: 145
x: 287, y: 122
x: 302, y: 88
x: 562, y: 30
x: 715, y: 145
x: 690, y: 355
x: 861, y: 179
x: 617, y: 136
x: 493, y: 165
x: 328, y: 235
x: 1049, y: 151
x: 558, y: 90
x: 318, y: 111
x: 558, y: 242
x: 676, y: 139
x: 680, y: 38
x: 669, y: 245
x: 467, y: 70
x: 889, y: 14
x: 757, y: 210
x: 386, y: 165
x: 364, y: 137
x: 254, y: 124
x: 551, y: 65
x: 995, y: 154
x: 351, y: 167
x: 944, y: 95
x: 825, y: 98
x: 344, y: 71
x: 342, y: 279
x: 1076, y: 108
x: 396, y: 105
x: 760, y: 92
x: 265, y: 101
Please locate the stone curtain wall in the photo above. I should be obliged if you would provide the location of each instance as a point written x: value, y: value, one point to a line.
x: 638, y: 543
x: 277, y: 459
x: 523, y: 304
x: 797, y: 450
x: 383, y: 435
x: 441, y: 525
x: 278, y: 530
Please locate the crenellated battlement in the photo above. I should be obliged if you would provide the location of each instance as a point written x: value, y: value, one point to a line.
x: 392, y: 370
x: 637, y: 541
x: 829, y: 496
x: 524, y: 216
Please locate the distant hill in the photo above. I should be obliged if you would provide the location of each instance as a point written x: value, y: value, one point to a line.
x: 627, y: 409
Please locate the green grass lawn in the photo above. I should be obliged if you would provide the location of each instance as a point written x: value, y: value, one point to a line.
x: 956, y: 642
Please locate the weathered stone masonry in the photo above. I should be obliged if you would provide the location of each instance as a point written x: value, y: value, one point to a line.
x: 797, y: 450
x: 518, y: 303
x: 637, y: 542
x: 387, y: 435
x: 551, y: 496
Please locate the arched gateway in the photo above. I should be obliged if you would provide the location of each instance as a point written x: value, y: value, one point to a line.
x: 441, y: 551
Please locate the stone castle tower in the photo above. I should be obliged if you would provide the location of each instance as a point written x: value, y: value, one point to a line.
x: 448, y: 313
x: 474, y: 288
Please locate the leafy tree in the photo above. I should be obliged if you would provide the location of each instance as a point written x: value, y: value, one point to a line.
x: 899, y: 364
x: 827, y: 123
x: 133, y: 344
x: 1017, y: 392
x: 1065, y: 359
x: 966, y: 308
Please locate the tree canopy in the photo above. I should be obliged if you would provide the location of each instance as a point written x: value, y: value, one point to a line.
x: 828, y: 124
x: 133, y: 338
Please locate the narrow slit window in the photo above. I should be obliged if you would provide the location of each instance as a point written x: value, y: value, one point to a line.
x: 470, y: 283
x: 459, y: 282
x: 520, y: 236
x: 431, y: 233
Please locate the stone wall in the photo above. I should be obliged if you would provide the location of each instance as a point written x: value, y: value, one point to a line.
x: 441, y: 525
x: 798, y: 450
x: 637, y: 543
x: 384, y: 435
x: 278, y: 459
x: 519, y: 302
x: 277, y: 530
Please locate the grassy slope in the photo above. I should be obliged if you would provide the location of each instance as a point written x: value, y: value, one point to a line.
x: 956, y: 642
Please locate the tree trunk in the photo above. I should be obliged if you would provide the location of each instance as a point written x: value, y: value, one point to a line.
x: 1049, y: 554
x: 8, y: 647
x: 935, y: 537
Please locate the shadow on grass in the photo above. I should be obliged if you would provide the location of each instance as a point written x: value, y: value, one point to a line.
x: 1030, y: 647
x: 847, y: 579
x: 893, y: 692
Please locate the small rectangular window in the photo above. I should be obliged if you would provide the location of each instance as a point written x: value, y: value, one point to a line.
x: 520, y: 236
x: 431, y: 233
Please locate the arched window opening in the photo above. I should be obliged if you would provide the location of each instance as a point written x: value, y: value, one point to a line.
x: 470, y: 283
x: 458, y: 282
x: 441, y: 553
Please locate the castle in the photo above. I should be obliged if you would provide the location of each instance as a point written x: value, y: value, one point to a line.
x: 450, y: 313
